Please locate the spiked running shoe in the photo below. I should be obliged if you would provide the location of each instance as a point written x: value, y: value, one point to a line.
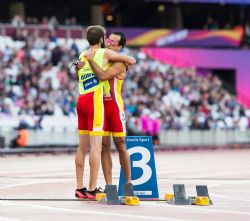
x: 92, y: 194
x: 81, y: 193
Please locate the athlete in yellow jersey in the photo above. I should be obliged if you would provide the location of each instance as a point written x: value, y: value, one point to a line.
x: 114, y: 109
x: 90, y: 109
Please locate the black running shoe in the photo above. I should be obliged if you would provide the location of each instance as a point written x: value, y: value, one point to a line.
x: 92, y: 194
x: 81, y: 193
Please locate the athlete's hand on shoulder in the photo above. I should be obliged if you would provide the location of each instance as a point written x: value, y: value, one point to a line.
x: 80, y: 64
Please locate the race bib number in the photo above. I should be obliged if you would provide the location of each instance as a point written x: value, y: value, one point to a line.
x: 122, y: 117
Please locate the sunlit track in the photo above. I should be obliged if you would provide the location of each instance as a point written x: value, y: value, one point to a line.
x: 51, y: 191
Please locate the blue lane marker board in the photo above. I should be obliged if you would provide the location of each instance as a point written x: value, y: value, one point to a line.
x: 142, y: 164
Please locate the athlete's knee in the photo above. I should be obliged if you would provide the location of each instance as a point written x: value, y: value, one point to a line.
x: 106, y: 150
x: 120, y: 144
x: 79, y: 158
x: 106, y: 146
x: 82, y: 148
x: 121, y: 140
x: 95, y: 144
x: 78, y: 163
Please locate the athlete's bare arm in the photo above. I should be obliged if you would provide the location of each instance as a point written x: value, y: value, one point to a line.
x: 114, y: 56
x: 109, y: 56
x: 114, y: 70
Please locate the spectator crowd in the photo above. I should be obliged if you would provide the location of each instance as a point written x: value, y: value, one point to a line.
x: 51, y: 23
x: 180, y: 98
x: 36, y: 80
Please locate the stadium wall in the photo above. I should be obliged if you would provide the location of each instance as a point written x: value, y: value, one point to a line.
x: 66, y: 138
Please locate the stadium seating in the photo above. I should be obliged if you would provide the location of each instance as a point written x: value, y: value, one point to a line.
x: 40, y: 88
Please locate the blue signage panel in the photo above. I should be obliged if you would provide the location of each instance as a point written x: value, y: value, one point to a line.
x: 143, y: 170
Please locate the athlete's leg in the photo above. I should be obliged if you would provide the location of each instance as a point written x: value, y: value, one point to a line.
x: 106, y: 159
x: 123, y: 156
x: 94, y: 160
x: 80, y: 159
x: 96, y: 127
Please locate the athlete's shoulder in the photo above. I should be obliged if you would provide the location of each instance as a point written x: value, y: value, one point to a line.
x: 108, y: 51
x: 82, y: 54
x: 101, y: 49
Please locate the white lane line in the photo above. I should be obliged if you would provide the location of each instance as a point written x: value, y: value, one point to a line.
x: 181, y: 170
x: 41, y: 170
x: 214, y: 210
x: 94, y: 212
x: 229, y: 197
x: 54, y: 180
x: 11, y: 219
x: 45, y: 172
x: 188, y: 171
x: 229, y: 183
x: 199, y: 176
x: 34, y: 182
x: 31, y: 176
x: 218, y: 175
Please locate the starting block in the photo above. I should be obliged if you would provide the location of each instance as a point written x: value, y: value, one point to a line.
x: 130, y: 200
x: 111, y: 195
x: 128, y: 196
x: 99, y: 196
x: 199, y: 200
x: 169, y: 196
x: 202, y: 191
x: 202, y: 201
x: 180, y: 194
x: 128, y: 190
x: 202, y: 198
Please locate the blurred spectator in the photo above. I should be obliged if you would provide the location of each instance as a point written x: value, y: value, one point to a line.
x: 22, y: 137
x: 70, y: 21
x: 53, y: 23
x: 246, y: 36
x: 73, y: 21
x: 52, y: 36
x: 150, y: 124
x: 45, y: 20
x: 17, y: 21
x: 211, y: 24
x: 228, y: 26
x: 20, y: 35
x: 32, y: 21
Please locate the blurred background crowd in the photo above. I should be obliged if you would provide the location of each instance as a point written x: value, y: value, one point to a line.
x: 36, y: 80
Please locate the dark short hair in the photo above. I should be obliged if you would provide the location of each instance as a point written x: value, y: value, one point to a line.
x: 123, y: 39
x: 95, y: 33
